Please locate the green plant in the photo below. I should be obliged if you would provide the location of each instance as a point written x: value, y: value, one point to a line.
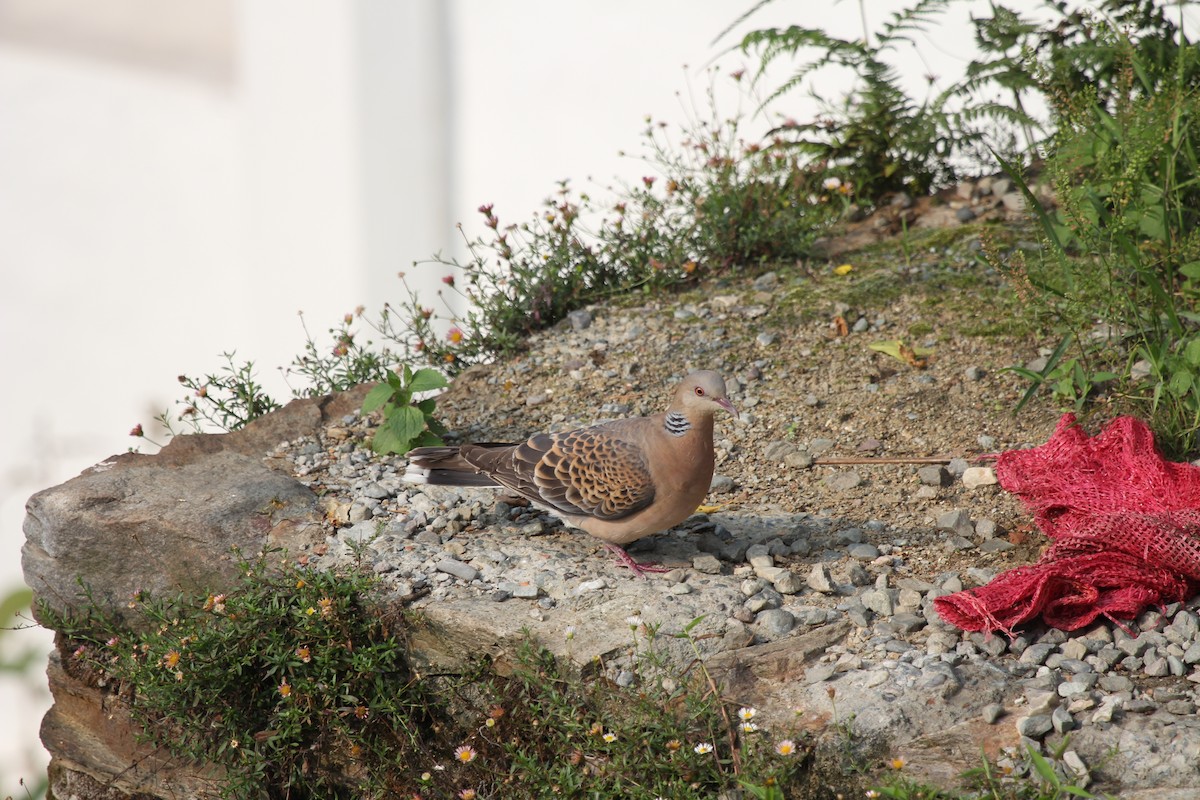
x: 712, y: 201
x: 1122, y: 257
x: 1035, y: 777
x: 226, y: 399
x: 877, y: 137
x: 671, y: 737
x: 349, y: 362
x: 406, y: 424
x: 290, y: 682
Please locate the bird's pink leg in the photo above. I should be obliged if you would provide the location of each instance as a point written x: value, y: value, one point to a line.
x: 627, y: 560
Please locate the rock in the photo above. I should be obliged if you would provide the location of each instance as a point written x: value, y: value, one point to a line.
x: 789, y: 583
x: 580, y: 319
x: 176, y: 515
x: 721, y: 484
x: 975, y: 477
x: 819, y: 579
x: 957, y: 522
x: 773, y: 623
x: 864, y: 552
x: 844, y: 481
x: 880, y: 601
x: 933, y: 475
x: 707, y: 563
x: 1035, y: 727
x: 992, y: 713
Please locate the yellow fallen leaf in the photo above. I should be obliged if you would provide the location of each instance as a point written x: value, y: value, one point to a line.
x: 708, y: 509
x: 843, y: 269
x: 913, y: 356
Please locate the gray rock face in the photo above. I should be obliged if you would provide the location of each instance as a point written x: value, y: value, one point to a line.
x: 162, y: 523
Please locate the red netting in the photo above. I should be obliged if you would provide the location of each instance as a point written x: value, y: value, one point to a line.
x: 1125, y: 525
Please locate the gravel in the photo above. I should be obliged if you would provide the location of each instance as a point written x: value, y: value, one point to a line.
x: 790, y: 545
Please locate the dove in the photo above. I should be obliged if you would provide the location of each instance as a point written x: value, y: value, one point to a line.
x: 619, y: 480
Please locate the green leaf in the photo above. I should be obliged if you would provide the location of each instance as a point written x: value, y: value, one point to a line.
x: 1181, y: 383
x: 377, y: 397
x: 1192, y: 352
x: 1043, y: 767
x: 427, y: 439
x: 427, y: 406
x: 1191, y: 270
x: 397, y: 434
x: 426, y: 379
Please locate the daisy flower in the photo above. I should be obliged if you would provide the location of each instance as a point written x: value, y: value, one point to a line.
x: 747, y: 714
x: 703, y: 747
x: 466, y: 754
x: 786, y: 748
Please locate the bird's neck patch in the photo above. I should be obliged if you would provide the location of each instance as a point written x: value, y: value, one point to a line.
x: 677, y: 424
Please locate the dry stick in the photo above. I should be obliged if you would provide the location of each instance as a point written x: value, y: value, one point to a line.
x: 828, y: 462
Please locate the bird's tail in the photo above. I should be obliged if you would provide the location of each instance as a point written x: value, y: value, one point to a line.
x: 443, y: 466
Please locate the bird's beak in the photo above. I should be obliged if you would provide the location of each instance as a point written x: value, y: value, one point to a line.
x: 724, y: 403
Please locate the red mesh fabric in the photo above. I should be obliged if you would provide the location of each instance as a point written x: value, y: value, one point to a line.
x: 1125, y: 525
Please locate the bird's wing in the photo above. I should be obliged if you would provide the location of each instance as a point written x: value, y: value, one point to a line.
x: 588, y: 472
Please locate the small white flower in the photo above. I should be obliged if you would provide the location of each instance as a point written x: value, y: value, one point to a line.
x: 570, y: 632
x: 749, y: 727
x: 832, y: 183
x: 634, y: 622
x: 703, y: 747
x: 747, y: 714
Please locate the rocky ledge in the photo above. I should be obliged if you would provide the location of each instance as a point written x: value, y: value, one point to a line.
x: 815, y: 586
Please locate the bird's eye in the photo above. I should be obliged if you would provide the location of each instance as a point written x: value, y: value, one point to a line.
x: 700, y: 391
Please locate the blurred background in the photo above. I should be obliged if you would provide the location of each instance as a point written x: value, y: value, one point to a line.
x: 178, y: 179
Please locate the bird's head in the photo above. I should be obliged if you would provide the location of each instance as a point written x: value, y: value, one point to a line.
x: 703, y: 392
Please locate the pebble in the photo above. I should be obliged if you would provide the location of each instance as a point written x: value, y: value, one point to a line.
x: 458, y: 569
x: 766, y: 584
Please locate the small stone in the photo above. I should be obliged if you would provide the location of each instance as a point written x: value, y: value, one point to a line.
x: 721, y: 484
x: 680, y: 589
x: 587, y: 587
x: 964, y: 214
x: 707, y: 563
x: 879, y: 601
x: 974, y: 373
x: 959, y: 543
x: 1035, y: 727
x: 1157, y: 668
x: 933, y: 475
x: 843, y: 481
x: 819, y: 579
x: 789, y: 583
x: 1061, y: 720
x: 992, y: 713
x: 975, y: 477
x: 957, y: 522
x: 774, y: 622
x: 580, y: 318
x: 759, y: 555
x: 766, y: 339
x: 1036, y: 653
x: 863, y: 552
x: 458, y: 569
